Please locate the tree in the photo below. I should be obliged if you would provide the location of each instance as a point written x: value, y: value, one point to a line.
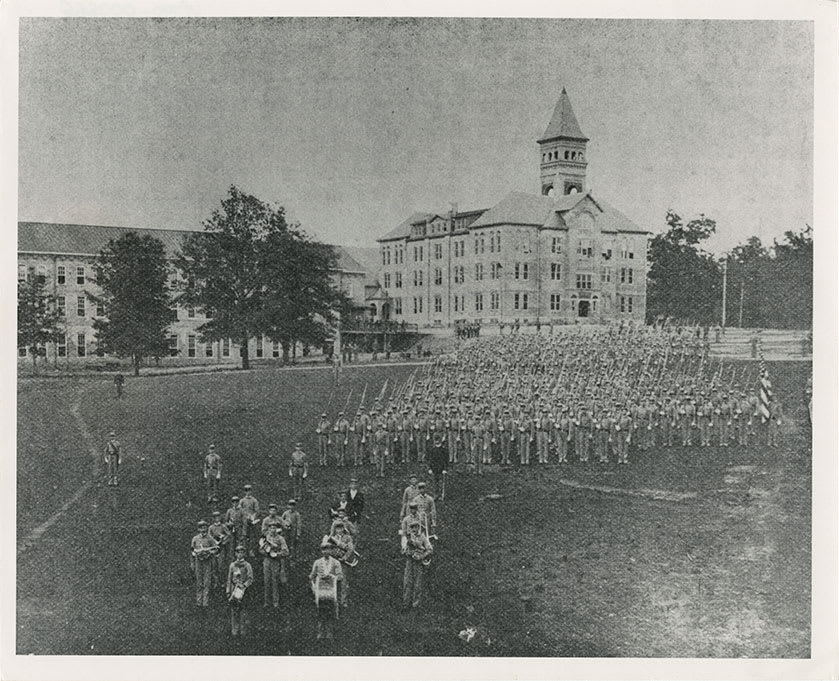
x: 132, y: 272
x: 256, y: 274
x: 38, y: 319
x: 684, y: 282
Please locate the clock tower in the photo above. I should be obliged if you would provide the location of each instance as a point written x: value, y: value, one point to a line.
x: 563, y: 151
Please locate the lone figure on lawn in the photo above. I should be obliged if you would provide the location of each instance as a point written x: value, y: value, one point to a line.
x: 113, y: 458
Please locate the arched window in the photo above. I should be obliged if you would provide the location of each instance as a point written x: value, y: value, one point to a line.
x: 566, y: 155
x: 573, y: 155
x: 594, y: 304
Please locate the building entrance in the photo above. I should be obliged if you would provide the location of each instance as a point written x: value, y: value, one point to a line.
x: 583, y: 308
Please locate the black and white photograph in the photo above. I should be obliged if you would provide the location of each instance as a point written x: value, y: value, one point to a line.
x: 420, y: 337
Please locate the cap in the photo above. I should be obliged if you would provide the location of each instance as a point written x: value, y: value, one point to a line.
x: 248, y: 487
x: 338, y: 523
x: 112, y: 433
x: 413, y: 504
x: 324, y: 544
x: 212, y: 446
x: 272, y: 505
x: 202, y: 523
x: 421, y: 484
x: 353, y: 479
x: 234, y: 498
x: 298, y: 444
x: 240, y: 549
x: 414, y: 523
x: 323, y: 415
x: 215, y: 513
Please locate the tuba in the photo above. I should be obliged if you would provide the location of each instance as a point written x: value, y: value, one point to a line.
x: 269, y: 548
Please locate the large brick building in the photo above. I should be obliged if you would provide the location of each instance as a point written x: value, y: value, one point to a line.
x: 563, y: 255
x: 63, y: 256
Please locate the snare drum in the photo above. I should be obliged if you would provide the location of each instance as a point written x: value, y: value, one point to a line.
x: 237, y: 595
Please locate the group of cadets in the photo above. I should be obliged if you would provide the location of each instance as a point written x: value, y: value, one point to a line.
x: 590, y: 393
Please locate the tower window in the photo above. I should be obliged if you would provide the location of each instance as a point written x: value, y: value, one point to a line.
x: 566, y: 155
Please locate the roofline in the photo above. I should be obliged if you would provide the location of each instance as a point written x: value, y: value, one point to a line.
x: 128, y: 229
x: 562, y: 137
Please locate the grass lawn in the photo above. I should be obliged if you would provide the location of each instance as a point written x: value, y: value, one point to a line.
x: 552, y: 568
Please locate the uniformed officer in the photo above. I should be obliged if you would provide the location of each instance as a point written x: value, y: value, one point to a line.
x: 235, y: 520
x: 341, y: 433
x: 239, y: 575
x: 417, y: 549
x: 507, y: 434
x: 422, y: 434
x: 427, y: 509
x: 298, y: 471
x: 408, y: 495
x: 327, y: 566
x: 563, y: 434
x: 212, y: 473
x: 273, y: 518
x: 622, y: 435
x: 113, y: 458
x: 324, y: 439
x: 381, y: 444
x: 343, y: 551
x: 250, y: 507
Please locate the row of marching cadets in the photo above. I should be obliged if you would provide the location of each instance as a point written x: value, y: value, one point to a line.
x: 588, y: 392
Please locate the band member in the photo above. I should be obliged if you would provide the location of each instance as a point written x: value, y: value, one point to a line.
x: 355, y: 502
x: 344, y: 550
x: 293, y: 524
x: 273, y: 518
x: 298, y: 471
x: 212, y: 473
x: 416, y: 551
x: 413, y: 516
x: 222, y: 534
x: 202, y: 563
x: 239, y: 578
x: 427, y: 509
x: 340, y: 504
x: 250, y: 507
x: 326, y: 572
x: 324, y: 439
x: 113, y: 458
x: 235, y: 520
x: 274, y: 552
x: 408, y: 495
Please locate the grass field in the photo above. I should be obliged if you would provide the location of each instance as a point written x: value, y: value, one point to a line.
x: 552, y: 568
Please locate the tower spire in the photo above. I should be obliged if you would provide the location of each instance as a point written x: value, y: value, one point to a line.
x: 563, y: 149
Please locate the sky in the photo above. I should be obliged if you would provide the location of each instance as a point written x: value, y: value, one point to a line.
x: 353, y: 124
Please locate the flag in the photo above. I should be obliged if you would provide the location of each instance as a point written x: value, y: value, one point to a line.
x: 765, y: 385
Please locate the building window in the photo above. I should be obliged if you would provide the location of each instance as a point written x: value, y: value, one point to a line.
x: 275, y: 349
x: 584, y: 248
x: 190, y: 345
x: 417, y: 305
x: 626, y: 275
x: 626, y: 303
x: 208, y: 349
x: 438, y: 251
x: 61, y: 304
x: 482, y: 245
x: 80, y: 306
x: 398, y: 280
x: 493, y: 300
x: 225, y: 348
x: 479, y: 271
x: 607, y: 254
x: 21, y: 352
x: 555, y: 301
x: 479, y: 302
x: 438, y: 303
x: 458, y: 275
x: 556, y: 245
x: 190, y: 312
x: 100, y: 309
x: 62, y: 346
x: 80, y: 275
x: 438, y: 276
x: 605, y: 275
x: 173, y: 345
x: 627, y: 254
x: 583, y: 281
x: 81, y: 345
x: 556, y: 271
x: 259, y: 346
x: 520, y: 271
x: 397, y: 306
x: 498, y: 242
x: 41, y: 276
x: 419, y: 277
x: 477, y: 246
x: 21, y: 272
x: 519, y: 301
x: 387, y: 279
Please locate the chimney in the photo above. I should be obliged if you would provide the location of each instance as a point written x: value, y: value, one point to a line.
x: 452, y: 213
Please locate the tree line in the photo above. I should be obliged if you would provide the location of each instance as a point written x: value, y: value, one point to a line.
x: 250, y: 272
x: 767, y: 287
